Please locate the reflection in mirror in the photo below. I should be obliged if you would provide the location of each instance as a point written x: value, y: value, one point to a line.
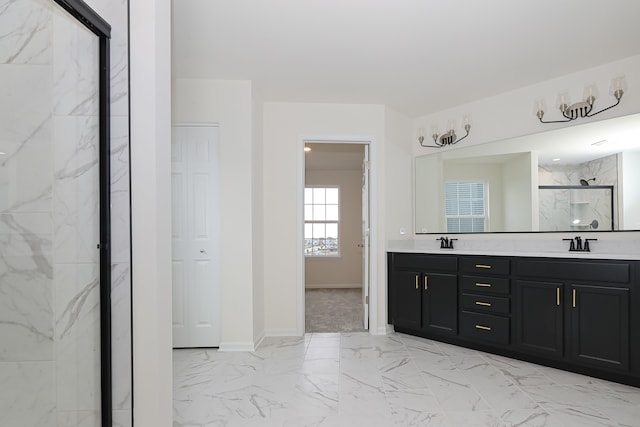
x: 603, y: 156
x: 576, y: 208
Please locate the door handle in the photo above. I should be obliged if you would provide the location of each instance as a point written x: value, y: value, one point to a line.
x: 426, y: 282
x: 360, y: 245
x: 417, y: 282
x: 202, y: 251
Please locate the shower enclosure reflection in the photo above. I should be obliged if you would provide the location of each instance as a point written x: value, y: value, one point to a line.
x: 576, y: 208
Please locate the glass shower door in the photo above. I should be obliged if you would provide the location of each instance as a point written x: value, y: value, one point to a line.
x: 50, y: 364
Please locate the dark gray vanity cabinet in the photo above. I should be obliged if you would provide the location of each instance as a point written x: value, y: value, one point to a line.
x: 573, y: 314
x: 600, y: 326
x: 582, y: 315
x: 485, y: 300
x: 424, y: 292
x: 407, y: 296
x: 539, y: 326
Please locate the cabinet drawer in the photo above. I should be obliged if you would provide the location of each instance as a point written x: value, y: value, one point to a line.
x: 485, y: 265
x: 492, y: 285
x: 426, y: 262
x: 596, y: 271
x: 485, y: 327
x: 486, y: 303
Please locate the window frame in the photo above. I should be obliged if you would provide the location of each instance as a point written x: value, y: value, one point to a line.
x: 485, y: 199
x: 338, y: 253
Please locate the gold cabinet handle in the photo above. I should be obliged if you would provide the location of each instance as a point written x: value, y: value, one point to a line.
x: 484, y: 304
x: 482, y: 266
x: 426, y: 280
x: 484, y: 285
x: 417, y: 282
x: 574, y: 298
x: 557, y: 296
x: 484, y: 328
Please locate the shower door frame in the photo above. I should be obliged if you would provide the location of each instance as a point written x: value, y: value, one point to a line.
x: 94, y: 23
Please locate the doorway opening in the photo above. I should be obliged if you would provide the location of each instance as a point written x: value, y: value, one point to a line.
x: 335, y: 233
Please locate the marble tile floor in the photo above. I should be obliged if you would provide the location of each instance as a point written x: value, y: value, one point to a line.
x: 357, y: 379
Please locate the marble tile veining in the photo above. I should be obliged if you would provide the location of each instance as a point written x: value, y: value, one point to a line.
x: 396, y: 380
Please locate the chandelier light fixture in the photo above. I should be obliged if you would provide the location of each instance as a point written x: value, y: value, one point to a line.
x: 447, y: 138
x: 583, y: 108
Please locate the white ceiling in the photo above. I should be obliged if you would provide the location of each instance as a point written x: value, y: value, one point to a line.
x: 415, y: 56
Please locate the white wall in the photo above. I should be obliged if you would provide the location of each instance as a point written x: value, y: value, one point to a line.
x: 284, y: 125
x: 512, y: 113
x: 150, y: 64
x: 630, y: 216
x: 429, y: 218
x: 257, y: 223
x: 229, y: 104
x: 517, y: 175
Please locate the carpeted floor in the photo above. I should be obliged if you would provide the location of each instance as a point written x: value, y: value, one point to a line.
x: 334, y: 310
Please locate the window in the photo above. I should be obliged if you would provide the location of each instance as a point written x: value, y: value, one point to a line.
x: 321, y: 221
x: 465, y: 207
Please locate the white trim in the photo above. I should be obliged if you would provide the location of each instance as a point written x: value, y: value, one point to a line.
x: 333, y: 285
x: 373, y: 254
x: 382, y: 330
x: 282, y: 332
x: 193, y: 124
x: 237, y: 346
x: 258, y: 340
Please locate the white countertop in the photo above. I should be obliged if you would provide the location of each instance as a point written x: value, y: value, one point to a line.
x: 617, y: 250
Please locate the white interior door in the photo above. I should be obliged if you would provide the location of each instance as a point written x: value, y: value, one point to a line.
x: 365, y: 236
x: 195, y: 236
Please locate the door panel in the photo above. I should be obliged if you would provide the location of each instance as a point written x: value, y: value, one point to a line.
x: 178, y: 295
x: 540, y: 320
x: 407, y: 313
x: 440, y: 303
x: 365, y: 236
x: 196, y: 236
x: 600, y: 326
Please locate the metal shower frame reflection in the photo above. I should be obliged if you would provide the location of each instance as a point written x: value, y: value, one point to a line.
x: 611, y: 188
x: 94, y: 23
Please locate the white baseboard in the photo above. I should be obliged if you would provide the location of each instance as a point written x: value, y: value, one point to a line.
x: 237, y: 346
x: 258, y: 340
x: 281, y: 332
x: 333, y: 286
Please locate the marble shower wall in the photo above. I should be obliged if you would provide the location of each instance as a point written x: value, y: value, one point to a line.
x: 49, y: 264
x: 558, y: 208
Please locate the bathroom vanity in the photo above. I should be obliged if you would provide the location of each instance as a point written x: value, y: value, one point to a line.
x: 569, y: 312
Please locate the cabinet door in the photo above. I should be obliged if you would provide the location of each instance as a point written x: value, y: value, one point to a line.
x: 406, y: 301
x: 440, y: 303
x: 539, y: 317
x: 600, y: 326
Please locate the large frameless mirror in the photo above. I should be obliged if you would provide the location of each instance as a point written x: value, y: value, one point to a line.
x: 580, y: 178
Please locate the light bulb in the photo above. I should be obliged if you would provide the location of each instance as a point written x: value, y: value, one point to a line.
x: 563, y: 101
x: 590, y: 92
x: 618, y: 85
x: 539, y: 107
